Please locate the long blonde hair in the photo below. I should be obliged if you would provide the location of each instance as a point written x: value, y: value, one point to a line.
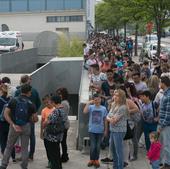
x: 153, y: 83
x: 122, y: 96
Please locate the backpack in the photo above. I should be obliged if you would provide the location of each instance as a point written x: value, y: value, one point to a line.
x: 2, y: 118
x: 21, y: 115
x: 59, y: 125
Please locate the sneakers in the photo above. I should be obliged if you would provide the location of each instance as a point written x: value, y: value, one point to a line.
x: 14, y: 160
x: 166, y: 166
x: 64, y: 159
x: 90, y: 163
x: 106, y: 160
x: 96, y: 163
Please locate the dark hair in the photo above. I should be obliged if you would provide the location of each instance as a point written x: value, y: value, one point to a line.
x: 145, y: 62
x: 95, y: 66
x: 146, y: 93
x: 122, y: 87
x: 24, y: 79
x: 6, y: 80
x: 109, y: 71
x: 25, y: 88
x: 165, y: 80
x: 132, y: 87
x: 56, y: 99
x: 63, y: 92
x: 136, y: 74
x: 47, y: 96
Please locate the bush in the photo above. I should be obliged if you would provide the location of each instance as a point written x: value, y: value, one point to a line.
x: 70, y: 48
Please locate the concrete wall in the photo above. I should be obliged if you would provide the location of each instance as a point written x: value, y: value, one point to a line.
x: 59, y: 72
x: 83, y: 119
x: 18, y: 62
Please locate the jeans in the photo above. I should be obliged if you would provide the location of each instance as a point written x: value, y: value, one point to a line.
x: 32, y: 140
x: 117, y: 149
x: 53, y: 151
x: 155, y: 164
x: 4, y: 130
x: 164, y: 139
x: 95, y: 141
x: 12, y: 138
x: 64, y: 145
x: 148, y: 128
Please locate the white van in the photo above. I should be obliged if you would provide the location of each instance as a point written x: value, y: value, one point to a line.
x: 10, y: 41
x: 151, y: 38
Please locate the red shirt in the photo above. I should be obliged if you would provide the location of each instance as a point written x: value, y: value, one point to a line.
x: 154, y: 151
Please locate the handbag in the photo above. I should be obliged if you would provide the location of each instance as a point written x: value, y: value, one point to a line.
x: 129, y: 132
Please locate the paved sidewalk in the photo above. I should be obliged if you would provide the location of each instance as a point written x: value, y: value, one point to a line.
x: 77, y: 159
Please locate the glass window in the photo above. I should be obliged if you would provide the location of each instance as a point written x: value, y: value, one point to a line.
x: 51, y: 19
x: 4, y: 6
x: 73, y: 4
x: 76, y: 18
x: 19, y: 5
x: 55, y: 4
x: 62, y: 19
x: 36, y: 5
x: 67, y: 18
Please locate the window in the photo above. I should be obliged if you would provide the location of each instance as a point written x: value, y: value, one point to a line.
x: 19, y: 5
x: 36, y: 5
x: 77, y: 18
x: 4, y: 6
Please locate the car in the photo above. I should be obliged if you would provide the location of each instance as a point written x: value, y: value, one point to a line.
x: 151, y: 38
x: 153, y: 50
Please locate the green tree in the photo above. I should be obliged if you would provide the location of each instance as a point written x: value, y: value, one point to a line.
x: 159, y: 12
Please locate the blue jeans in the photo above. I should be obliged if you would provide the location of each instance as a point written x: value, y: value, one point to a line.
x: 95, y: 141
x: 32, y: 140
x: 148, y: 128
x: 155, y: 164
x: 116, y: 139
x: 164, y: 139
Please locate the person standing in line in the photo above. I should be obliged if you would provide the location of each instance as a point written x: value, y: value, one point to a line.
x: 18, y: 113
x: 4, y: 125
x: 63, y: 93
x: 54, y: 131
x: 164, y: 122
x: 117, y: 118
x: 46, y: 111
x: 97, y: 127
x: 25, y: 79
x: 154, y: 152
x: 149, y: 116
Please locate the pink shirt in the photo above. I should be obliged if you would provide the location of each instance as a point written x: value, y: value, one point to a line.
x: 154, y: 151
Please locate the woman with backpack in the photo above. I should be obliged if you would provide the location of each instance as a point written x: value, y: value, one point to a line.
x: 4, y: 125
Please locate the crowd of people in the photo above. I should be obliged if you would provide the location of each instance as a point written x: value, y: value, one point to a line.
x: 126, y: 100
x: 18, y: 114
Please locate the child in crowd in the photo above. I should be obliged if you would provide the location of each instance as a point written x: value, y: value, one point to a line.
x: 46, y: 111
x: 154, y: 152
x: 97, y: 127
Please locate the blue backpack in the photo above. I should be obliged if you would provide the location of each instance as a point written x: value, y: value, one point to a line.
x: 21, y: 115
x: 2, y: 118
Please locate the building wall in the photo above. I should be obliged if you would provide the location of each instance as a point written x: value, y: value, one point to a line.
x: 37, y: 22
